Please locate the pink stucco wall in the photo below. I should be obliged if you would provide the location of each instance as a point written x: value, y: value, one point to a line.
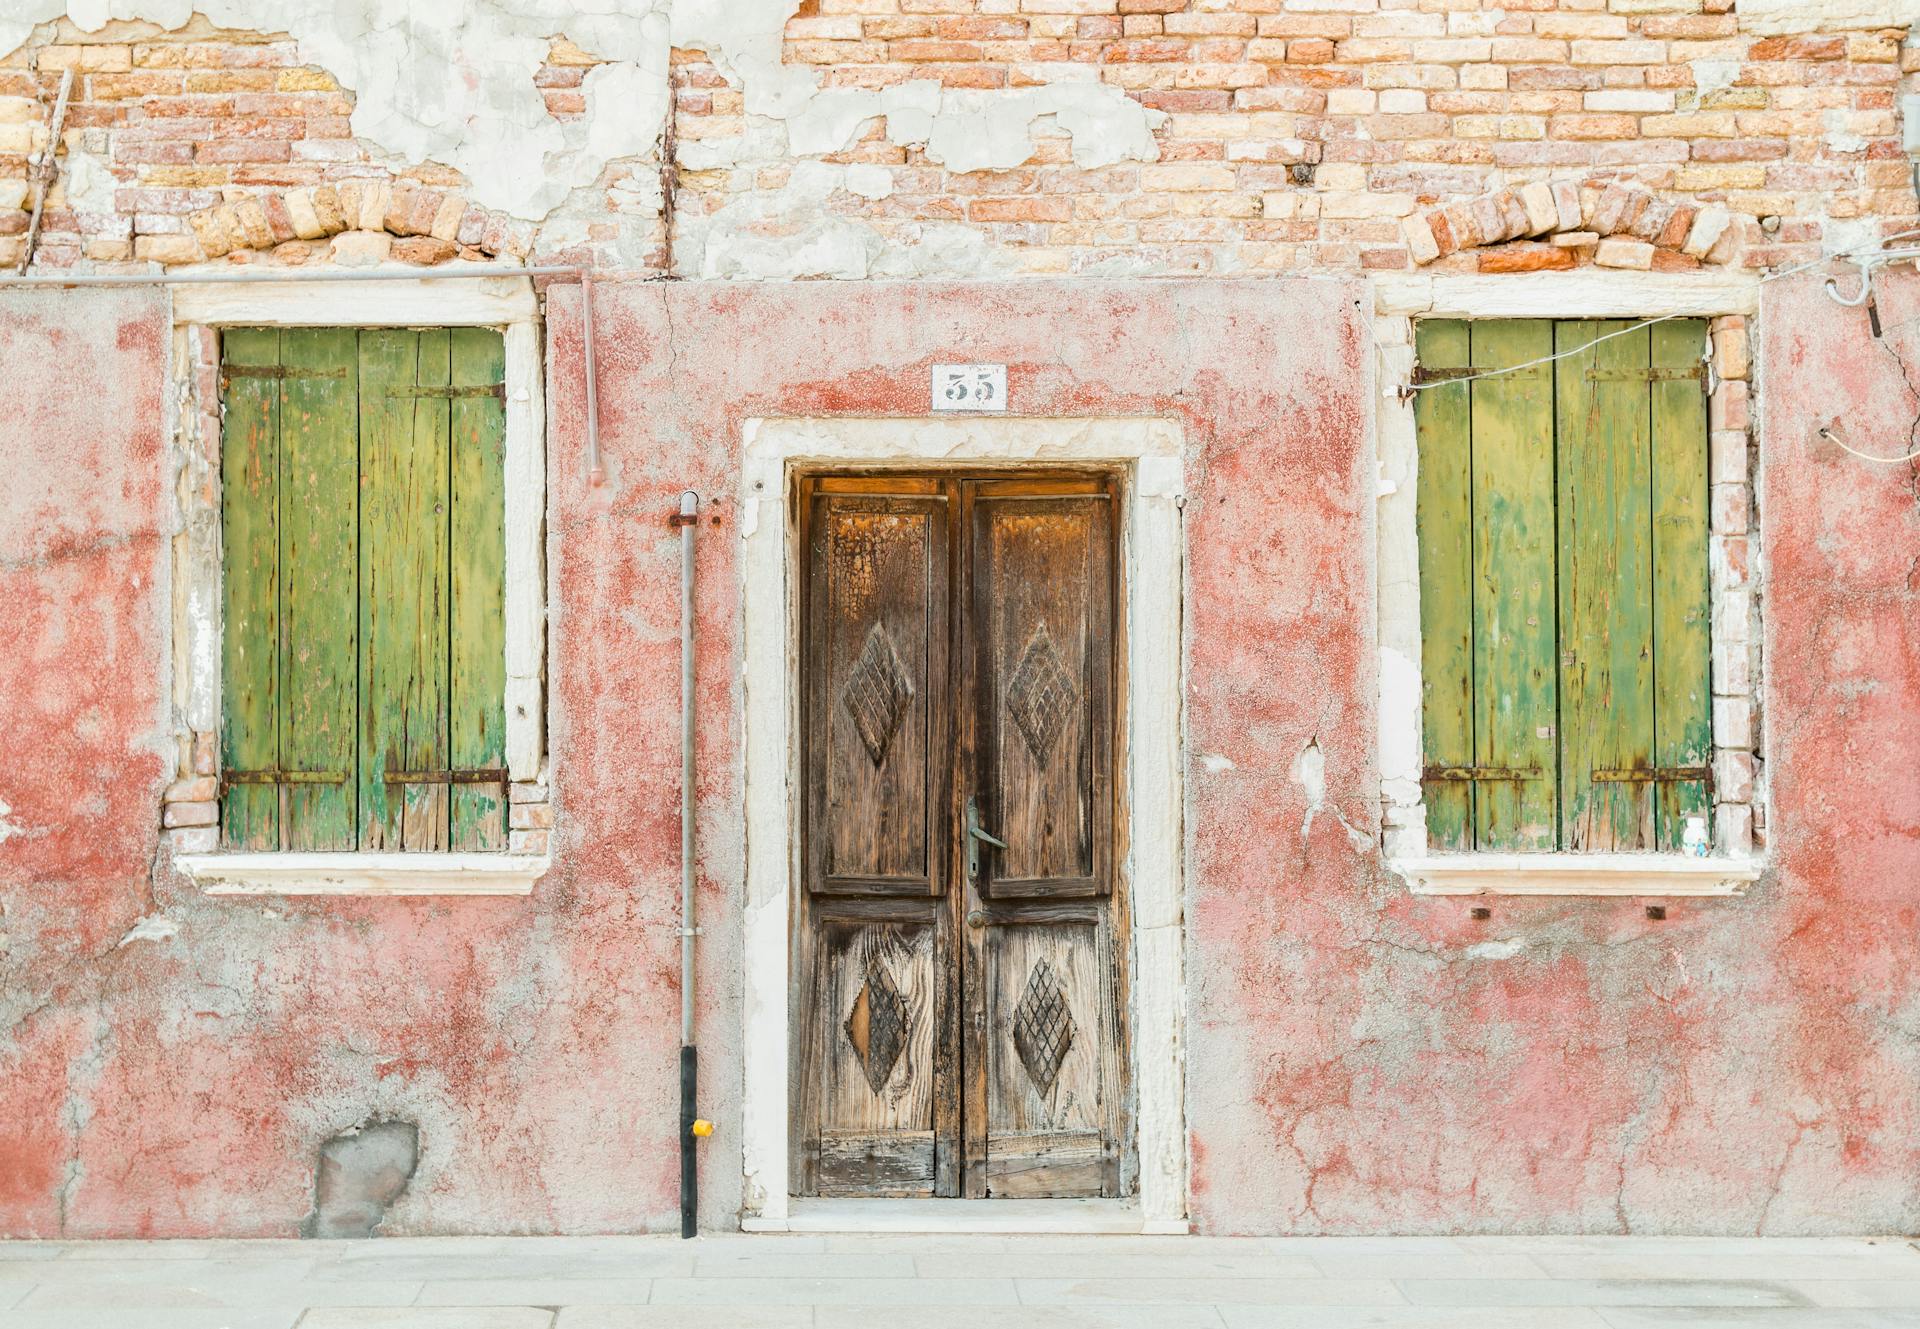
x: 1358, y: 1060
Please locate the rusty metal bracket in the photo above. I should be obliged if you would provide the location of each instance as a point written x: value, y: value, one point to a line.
x: 1656, y: 775
x: 1482, y: 773
x: 1422, y: 374
x: 683, y: 519
x: 498, y: 391
x: 469, y: 775
x: 274, y: 775
x: 278, y: 371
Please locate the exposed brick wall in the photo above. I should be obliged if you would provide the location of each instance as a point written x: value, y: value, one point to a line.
x: 224, y: 143
x: 1301, y: 135
x: 1395, y: 107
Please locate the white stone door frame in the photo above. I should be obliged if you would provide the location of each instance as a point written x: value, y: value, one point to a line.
x: 1149, y: 453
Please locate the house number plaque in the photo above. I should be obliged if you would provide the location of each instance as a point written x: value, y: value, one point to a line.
x: 969, y: 387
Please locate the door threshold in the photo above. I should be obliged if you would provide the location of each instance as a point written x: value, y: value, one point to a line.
x: 1068, y: 1217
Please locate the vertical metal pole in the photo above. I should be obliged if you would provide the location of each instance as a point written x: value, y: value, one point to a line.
x: 596, y: 469
x: 689, y: 1058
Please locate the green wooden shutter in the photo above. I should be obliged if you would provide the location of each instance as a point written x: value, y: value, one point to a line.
x: 1606, y: 585
x: 1562, y: 517
x: 318, y: 535
x: 1514, y: 684
x: 250, y: 600
x: 1444, y: 507
x: 1682, y: 596
x: 478, y: 678
x: 363, y: 513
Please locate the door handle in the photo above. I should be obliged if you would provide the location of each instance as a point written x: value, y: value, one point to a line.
x: 975, y: 834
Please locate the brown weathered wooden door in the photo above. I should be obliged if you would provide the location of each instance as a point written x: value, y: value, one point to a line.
x: 959, y: 947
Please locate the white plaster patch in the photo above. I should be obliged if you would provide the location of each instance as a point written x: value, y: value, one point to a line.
x: 1400, y: 740
x: 962, y: 129
x: 8, y: 828
x: 1711, y: 76
x: 1496, y: 950
x: 1838, y: 137
x: 90, y: 185
x: 154, y: 927
x: 1310, y: 773
x: 868, y: 181
x: 1215, y: 762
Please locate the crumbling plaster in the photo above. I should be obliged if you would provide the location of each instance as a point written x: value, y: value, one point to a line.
x: 454, y: 83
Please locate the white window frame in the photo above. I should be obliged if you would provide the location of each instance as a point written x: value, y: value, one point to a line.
x: 1398, y: 300
x: 506, y: 304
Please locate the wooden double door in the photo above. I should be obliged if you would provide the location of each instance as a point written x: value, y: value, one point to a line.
x: 960, y: 946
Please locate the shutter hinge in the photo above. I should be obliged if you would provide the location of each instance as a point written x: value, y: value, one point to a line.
x: 1483, y: 773
x: 498, y: 391
x: 274, y: 775
x: 470, y: 775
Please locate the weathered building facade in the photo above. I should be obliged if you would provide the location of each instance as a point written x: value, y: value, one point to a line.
x: 1304, y: 614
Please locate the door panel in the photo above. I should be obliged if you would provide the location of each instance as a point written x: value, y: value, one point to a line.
x: 958, y: 1017
x: 1042, y: 598
x: 877, y: 660
x: 1051, y: 1052
x: 876, y: 1125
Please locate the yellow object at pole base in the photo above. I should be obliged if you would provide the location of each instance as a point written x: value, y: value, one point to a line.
x: 703, y: 1128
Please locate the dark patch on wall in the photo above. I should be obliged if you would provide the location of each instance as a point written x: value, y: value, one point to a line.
x: 362, y: 1171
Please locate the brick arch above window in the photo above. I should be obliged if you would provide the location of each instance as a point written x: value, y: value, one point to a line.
x: 1542, y: 226
x: 358, y: 221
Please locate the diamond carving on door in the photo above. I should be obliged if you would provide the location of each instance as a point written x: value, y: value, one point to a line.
x: 1040, y: 695
x: 1042, y: 1027
x: 877, y: 1025
x: 877, y: 693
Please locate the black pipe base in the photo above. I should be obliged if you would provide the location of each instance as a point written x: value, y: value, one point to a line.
x: 689, y: 1170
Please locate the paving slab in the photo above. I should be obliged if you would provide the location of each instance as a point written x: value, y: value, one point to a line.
x: 501, y: 1317
x: 980, y: 1281
x: 1410, y: 1317
x: 1202, y: 1291
x: 153, y: 1318
x: 897, y: 1292
x: 1888, y: 1294
x: 538, y: 1292
x: 1793, y: 1318
x: 697, y: 1317
x: 1597, y: 1292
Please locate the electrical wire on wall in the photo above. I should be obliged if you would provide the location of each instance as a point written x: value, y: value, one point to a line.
x: 1866, y: 259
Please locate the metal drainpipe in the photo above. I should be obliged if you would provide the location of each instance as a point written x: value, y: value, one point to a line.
x: 692, y: 1127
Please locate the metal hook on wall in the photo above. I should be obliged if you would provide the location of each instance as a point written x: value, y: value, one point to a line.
x: 1859, y: 297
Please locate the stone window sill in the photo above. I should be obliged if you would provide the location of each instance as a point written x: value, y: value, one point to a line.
x: 1576, y: 874
x: 364, y: 874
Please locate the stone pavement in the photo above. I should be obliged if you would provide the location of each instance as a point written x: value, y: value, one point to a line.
x: 989, y: 1282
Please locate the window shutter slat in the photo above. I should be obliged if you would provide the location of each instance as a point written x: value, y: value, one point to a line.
x: 318, y: 540
x: 478, y: 676
x: 403, y: 588
x: 1681, y: 595
x: 1444, y: 518
x: 1606, y: 575
x: 1514, y: 688
x: 250, y: 602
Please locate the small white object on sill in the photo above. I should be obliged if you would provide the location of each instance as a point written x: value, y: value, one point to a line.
x: 364, y: 874
x: 1576, y: 874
